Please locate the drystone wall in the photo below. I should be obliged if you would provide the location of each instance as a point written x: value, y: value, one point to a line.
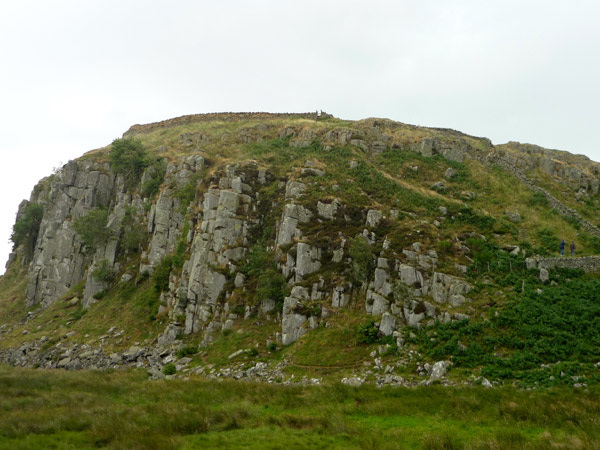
x: 222, y: 117
x: 585, y: 263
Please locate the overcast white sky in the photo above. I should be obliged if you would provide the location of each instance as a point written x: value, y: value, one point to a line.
x: 75, y: 74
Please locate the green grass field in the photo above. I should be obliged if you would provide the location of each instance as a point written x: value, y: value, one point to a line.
x: 78, y: 410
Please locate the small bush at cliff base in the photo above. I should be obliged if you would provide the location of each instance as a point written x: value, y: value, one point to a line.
x: 78, y: 313
x: 100, y: 294
x: 187, y: 351
x: 169, y: 369
x: 103, y: 272
x: 272, y: 284
x: 367, y: 333
x: 272, y: 346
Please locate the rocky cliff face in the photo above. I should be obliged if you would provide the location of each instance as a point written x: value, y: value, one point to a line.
x: 301, y: 215
x: 59, y: 260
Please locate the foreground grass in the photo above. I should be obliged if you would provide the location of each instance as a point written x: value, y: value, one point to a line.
x: 55, y: 409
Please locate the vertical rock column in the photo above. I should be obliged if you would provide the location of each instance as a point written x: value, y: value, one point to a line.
x: 219, y: 246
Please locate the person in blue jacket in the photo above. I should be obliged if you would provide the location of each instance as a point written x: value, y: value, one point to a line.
x: 562, y: 247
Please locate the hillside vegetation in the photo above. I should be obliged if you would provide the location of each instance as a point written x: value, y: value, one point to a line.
x: 289, y: 249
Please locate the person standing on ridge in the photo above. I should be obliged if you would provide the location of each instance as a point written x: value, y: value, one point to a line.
x: 562, y: 248
x: 572, y: 248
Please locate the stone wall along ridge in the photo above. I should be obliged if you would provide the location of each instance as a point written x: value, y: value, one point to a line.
x: 585, y: 263
x: 218, y: 117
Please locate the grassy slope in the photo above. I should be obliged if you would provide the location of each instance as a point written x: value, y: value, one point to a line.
x: 12, y: 292
x: 124, y: 410
x: 126, y: 307
x: 590, y: 208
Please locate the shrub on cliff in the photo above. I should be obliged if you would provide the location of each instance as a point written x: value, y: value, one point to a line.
x: 26, y: 229
x: 259, y: 259
x: 160, y: 277
x: 134, y: 233
x: 128, y: 157
x: 103, y: 272
x: 133, y: 238
x: 91, y: 228
x: 155, y: 177
x: 271, y: 284
x: 262, y: 268
x: 362, y: 259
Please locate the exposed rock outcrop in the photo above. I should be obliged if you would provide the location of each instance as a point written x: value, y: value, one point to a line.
x: 59, y: 260
x: 211, y: 216
x: 293, y: 321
